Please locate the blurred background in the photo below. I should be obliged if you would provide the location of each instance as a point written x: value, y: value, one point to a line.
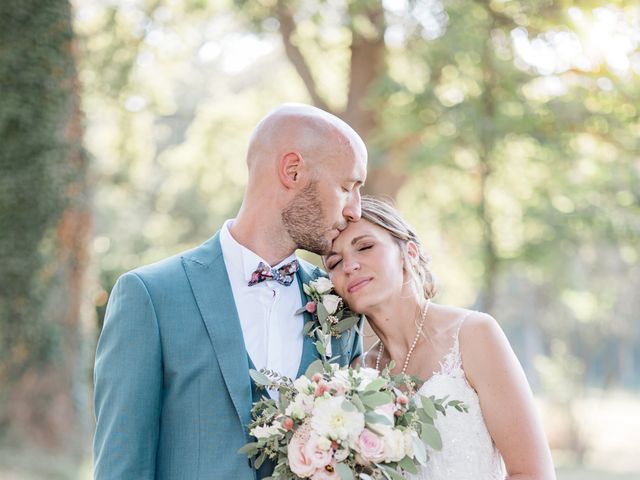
x: 507, y: 132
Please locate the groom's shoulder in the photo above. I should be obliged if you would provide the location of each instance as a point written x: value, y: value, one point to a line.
x: 172, y: 268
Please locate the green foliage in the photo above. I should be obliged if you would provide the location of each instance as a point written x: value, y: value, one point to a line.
x: 35, y: 71
x: 522, y: 182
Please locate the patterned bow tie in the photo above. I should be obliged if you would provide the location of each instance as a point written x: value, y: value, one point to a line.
x: 283, y: 275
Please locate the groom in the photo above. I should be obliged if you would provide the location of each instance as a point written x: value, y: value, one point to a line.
x: 172, y: 388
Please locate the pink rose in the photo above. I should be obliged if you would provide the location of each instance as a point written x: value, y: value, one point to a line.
x: 326, y: 473
x: 310, y: 307
x: 287, y: 423
x: 370, y: 446
x: 318, y: 457
x: 299, y: 463
x: 338, y: 387
x: 321, y: 389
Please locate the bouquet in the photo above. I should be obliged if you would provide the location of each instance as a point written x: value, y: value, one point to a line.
x: 341, y: 422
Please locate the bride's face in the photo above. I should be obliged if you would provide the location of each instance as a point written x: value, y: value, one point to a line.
x: 366, y: 266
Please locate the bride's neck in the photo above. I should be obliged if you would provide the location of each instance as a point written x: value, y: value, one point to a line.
x: 395, y: 324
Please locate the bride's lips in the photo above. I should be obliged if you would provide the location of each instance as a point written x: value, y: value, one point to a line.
x: 358, y: 284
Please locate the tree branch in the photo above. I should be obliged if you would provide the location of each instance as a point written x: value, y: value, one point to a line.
x: 287, y: 29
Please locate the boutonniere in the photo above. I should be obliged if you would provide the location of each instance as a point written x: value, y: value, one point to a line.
x: 331, y: 316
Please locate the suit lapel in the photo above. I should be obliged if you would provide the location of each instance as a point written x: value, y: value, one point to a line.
x: 207, y: 274
x: 306, y: 273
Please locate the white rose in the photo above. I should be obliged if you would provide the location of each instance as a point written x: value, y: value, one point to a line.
x: 394, y: 448
x: 300, y: 407
x: 265, y: 431
x: 302, y: 384
x: 409, y: 436
x: 341, y: 378
x: 331, y: 303
x: 321, y: 285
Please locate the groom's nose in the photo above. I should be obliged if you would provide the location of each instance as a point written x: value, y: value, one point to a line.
x: 352, y: 211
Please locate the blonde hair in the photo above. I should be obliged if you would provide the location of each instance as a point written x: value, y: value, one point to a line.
x: 384, y: 215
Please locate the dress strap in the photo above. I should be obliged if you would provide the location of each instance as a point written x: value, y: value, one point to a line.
x: 452, y: 361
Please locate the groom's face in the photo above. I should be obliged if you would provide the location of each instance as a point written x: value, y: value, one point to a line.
x: 323, y: 208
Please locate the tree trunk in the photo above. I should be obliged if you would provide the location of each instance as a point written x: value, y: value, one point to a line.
x: 46, y: 320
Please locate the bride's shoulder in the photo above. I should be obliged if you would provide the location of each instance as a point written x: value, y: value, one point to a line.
x: 479, y: 328
x: 483, y: 346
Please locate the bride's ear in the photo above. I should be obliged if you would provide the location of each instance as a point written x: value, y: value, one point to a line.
x: 289, y: 168
x: 412, y: 252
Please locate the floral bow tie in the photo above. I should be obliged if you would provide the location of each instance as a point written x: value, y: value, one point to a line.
x: 283, y: 275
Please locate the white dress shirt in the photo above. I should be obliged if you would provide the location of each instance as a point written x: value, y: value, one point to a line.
x: 271, y: 330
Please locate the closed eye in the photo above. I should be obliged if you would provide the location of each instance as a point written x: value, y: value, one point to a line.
x: 334, y: 264
x: 365, y: 247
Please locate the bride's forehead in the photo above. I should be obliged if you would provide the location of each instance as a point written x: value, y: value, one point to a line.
x: 355, y: 231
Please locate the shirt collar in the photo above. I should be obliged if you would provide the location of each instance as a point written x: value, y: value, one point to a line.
x: 241, y: 258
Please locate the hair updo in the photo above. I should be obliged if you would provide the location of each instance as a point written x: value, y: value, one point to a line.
x: 384, y: 215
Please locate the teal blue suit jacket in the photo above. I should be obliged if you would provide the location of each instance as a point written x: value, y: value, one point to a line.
x: 172, y: 388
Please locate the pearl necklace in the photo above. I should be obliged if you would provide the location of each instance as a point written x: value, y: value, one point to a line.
x: 413, y: 345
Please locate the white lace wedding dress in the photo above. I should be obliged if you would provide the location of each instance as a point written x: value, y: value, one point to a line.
x: 468, y: 452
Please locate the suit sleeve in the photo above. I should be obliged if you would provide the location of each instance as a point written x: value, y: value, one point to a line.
x: 128, y: 385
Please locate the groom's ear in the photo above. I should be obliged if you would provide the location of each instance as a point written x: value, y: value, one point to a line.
x: 289, y: 168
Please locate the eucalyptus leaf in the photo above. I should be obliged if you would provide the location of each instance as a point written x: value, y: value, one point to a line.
x: 347, y: 323
x: 348, y: 406
x: 259, y: 377
x: 320, y: 347
x: 376, y: 418
x: 315, y: 367
x: 260, y: 460
x: 322, y: 313
x: 355, y: 399
x: 407, y: 464
x: 376, y: 384
x: 428, y: 406
x: 249, y: 447
x: 419, y: 451
x: 393, y: 474
x: 308, y: 327
x: 431, y: 436
x: 375, y: 399
x: 344, y: 471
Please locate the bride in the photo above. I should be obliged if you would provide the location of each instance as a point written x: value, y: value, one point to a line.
x: 377, y: 265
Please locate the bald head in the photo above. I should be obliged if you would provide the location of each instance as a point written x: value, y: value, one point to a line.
x: 307, y: 130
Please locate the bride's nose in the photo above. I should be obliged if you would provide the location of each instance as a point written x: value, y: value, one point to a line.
x: 350, y: 266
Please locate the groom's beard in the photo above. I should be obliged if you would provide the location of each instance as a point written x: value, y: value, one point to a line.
x: 304, y: 221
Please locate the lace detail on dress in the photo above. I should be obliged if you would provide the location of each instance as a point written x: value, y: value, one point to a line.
x: 468, y: 452
x: 451, y: 364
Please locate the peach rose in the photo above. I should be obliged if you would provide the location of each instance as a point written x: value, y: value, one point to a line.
x: 370, y: 446
x: 299, y: 462
x: 318, y: 456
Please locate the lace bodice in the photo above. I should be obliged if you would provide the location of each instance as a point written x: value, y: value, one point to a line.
x: 468, y: 452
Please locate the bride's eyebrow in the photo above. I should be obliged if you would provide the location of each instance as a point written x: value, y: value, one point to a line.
x: 353, y: 242
x: 357, y: 239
